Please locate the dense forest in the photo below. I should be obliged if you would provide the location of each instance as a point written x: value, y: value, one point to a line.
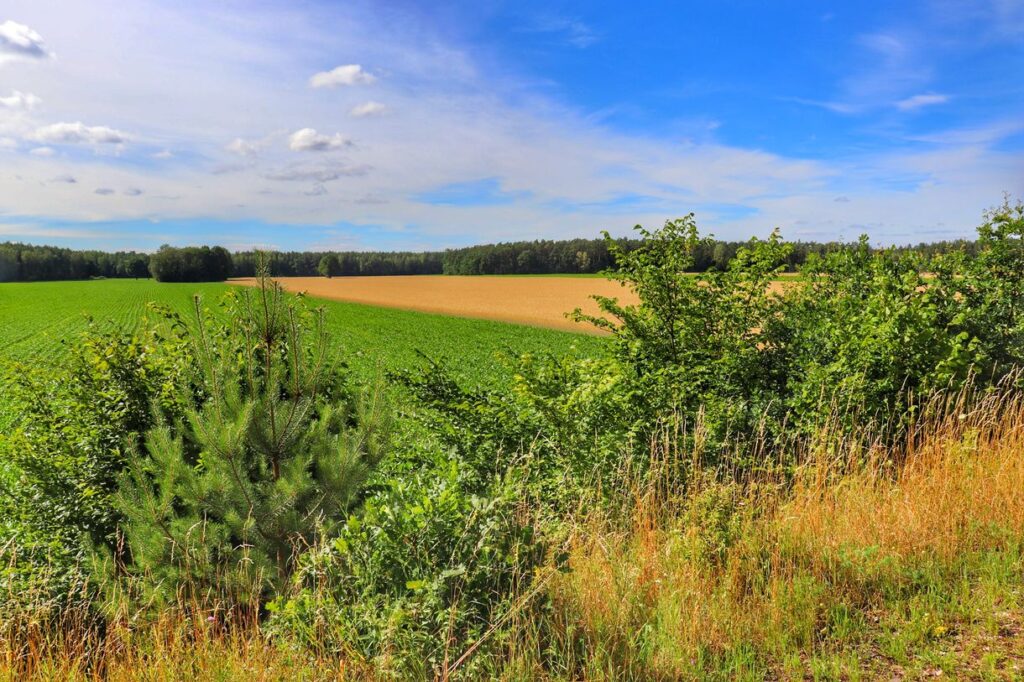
x: 25, y: 262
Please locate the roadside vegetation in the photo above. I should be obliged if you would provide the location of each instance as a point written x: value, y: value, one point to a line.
x: 819, y: 480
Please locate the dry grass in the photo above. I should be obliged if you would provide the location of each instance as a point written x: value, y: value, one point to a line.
x: 958, y: 490
x: 858, y: 569
x: 173, y: 647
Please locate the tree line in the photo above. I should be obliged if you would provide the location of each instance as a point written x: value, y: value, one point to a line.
x: 26, y: 262
x: 29, y: 263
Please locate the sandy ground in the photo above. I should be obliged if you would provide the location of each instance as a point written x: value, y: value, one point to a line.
x: 538, y: 301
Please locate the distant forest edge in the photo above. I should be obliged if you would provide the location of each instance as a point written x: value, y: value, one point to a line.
x: 27, y: 263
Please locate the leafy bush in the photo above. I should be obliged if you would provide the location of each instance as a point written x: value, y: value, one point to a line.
x: 566, y: 424
x: 425, y: 571
x: 66, y: 450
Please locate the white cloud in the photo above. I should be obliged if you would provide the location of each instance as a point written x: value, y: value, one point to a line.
x: 918, y: 101
x: 243, y: 147
x: 308, y: 140
x: 78, y: 133
x: 368, y: 109
x: 18, y: 41
x: 165, y: 154
x: 43, y: 151
x: 8, y: 143
x: 349, y: 74
x: 20, y: 101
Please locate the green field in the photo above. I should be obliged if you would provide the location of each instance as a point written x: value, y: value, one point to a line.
x: 37, y: 320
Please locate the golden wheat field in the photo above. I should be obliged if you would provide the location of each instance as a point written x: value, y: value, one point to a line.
x: 538, y: 301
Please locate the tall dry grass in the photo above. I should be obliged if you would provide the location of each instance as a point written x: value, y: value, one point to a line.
x: 866, y: 562
x: 176, y: 645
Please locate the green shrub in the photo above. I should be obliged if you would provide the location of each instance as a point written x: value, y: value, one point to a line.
x: 62, y: 458
x: 423, y: 572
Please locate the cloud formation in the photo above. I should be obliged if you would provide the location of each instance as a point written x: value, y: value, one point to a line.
x: 20, y: 101
x: 918, y: 101
x: 18, y: 41
x: 309, y: 140
x: 243, y: 147
x: 367, y: 109
x: 78, y: 133
x: 349, y: 74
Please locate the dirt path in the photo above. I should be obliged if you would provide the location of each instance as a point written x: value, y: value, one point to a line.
x: 538, y: 301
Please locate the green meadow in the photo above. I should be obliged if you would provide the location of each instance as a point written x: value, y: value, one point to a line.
x: 40, y: 318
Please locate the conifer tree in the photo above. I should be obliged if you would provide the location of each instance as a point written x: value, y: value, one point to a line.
x: 274, y: 449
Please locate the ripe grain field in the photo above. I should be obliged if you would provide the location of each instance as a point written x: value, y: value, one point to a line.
x: 540, y: 301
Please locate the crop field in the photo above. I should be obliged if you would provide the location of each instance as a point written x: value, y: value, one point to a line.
x: 537, y: 301
x: 37, y: 319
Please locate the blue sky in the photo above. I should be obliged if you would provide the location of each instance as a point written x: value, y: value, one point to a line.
x: 353, y: 125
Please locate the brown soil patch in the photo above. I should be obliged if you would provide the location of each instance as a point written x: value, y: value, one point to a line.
x: 538, y: 301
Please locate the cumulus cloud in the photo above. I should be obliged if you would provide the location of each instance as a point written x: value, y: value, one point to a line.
x: 43, y: 151
x: 20, y: 101
x: 309, y: 140
x: 349, y: 74
x: 918, y: 101
x: 18, y: 41
x: 78, y: 133
x: 367, y: 109
x: 165, y: 154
